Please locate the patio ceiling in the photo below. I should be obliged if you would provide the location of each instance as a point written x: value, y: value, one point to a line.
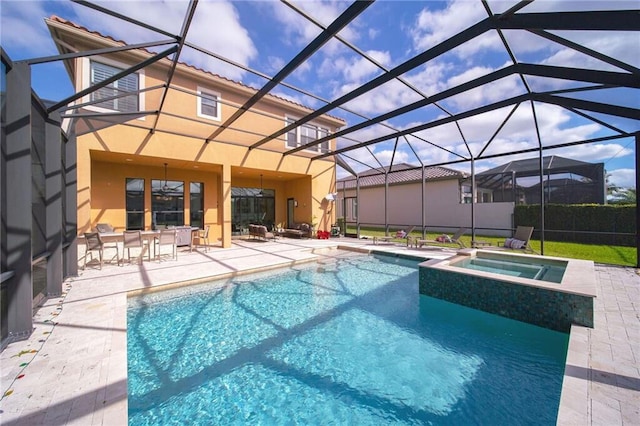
x: 434, y: 124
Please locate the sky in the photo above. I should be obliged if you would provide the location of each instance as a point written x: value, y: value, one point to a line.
x: 265, y: 35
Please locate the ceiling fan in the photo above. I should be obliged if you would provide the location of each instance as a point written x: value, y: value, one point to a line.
x: 261, y: 193
x: 166, y: 189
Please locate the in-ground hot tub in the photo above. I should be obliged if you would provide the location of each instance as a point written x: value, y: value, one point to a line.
x: 545, y: 291
x: 542, y: 269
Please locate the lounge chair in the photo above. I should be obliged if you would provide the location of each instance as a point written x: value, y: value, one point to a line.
x: 400, y: 234
x: 454, y: 239
x: 519, y: 241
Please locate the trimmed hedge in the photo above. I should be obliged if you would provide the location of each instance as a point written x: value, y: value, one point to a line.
x: 582, y: 223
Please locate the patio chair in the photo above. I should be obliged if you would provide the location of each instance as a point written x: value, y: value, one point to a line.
x: 133, y: 239
x: 454, y: 239
x: 203, y: 238
x: 519, y: 241
x: 104, y: 227
x: 94, y: 243
x: 167, y: 237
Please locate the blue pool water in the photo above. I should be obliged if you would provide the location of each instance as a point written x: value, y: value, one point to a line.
x: 348, y: 341
x: 532, y: 270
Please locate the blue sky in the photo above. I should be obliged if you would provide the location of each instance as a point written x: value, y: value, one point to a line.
x: 265, y: 35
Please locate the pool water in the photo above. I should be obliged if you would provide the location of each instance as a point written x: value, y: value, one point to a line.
x: 345, y: 341
x: 534, y: 271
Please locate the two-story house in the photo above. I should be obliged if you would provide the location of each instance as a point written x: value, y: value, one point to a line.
x: 155, y: 147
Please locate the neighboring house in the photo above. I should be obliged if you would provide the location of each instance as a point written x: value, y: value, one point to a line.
x: 137, y: 168
x: 446, y: 205
x: 565, y: 181
x: 447, y: 193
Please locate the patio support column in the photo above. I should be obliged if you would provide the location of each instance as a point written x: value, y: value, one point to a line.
x: 637, y: 210
x: 225, y: 194
x: 17, y: 151
x: 541, y: 165
x: 71, y: 203
x: 53, y: 203
x: 473, y: 199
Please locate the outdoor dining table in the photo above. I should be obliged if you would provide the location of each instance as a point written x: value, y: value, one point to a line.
x: 147, y: 237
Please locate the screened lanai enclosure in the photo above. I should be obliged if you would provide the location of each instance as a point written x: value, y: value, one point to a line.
x: 565, y: 181
x: 492, y: 104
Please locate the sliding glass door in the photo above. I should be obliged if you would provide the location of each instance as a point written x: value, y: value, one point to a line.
x: 252, y: 206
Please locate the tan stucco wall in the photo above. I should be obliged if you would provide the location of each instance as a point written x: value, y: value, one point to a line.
x: 108, y: 189
x: 138, y: 148
x: 442, y: 207
x: 101, y: 194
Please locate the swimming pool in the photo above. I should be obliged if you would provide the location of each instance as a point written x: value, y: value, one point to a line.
x: 345, y: 341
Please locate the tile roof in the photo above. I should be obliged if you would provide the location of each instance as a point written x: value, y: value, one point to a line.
x: 401, y: 174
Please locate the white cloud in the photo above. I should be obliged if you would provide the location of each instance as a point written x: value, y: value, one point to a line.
x: 227, y: 37
x: 359, y: 68
x: 382, y: 99
x: 433, y: 27
x: 624, y: 178
x: 299, y: 31
x: 275, y: 63
x: 492, y: 92
x: 594, y: 153
x: 384, y: 157
x: 23, y: 32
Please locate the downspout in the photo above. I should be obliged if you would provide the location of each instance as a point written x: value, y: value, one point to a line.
x: 514, y: 193
x: 358, y: 206
x: 386, y: 189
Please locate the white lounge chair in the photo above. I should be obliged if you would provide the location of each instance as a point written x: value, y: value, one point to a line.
x: 454, y: 239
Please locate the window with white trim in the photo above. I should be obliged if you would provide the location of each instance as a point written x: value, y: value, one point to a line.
x: 130, y: 83
x: 482, y: 195
x: 95, y: 70
x: 305, y: 134
x: 208, y: 104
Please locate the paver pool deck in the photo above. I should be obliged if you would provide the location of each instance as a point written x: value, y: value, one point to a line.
x: 73, y: 368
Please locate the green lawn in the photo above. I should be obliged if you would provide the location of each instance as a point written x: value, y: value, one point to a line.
x: 614, y: 255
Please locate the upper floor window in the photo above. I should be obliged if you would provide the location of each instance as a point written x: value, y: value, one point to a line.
x: 124, y: 95
x: 305, y: 134
x: 208, y: 104
x: 129, y: 83
x: 482, y: 195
